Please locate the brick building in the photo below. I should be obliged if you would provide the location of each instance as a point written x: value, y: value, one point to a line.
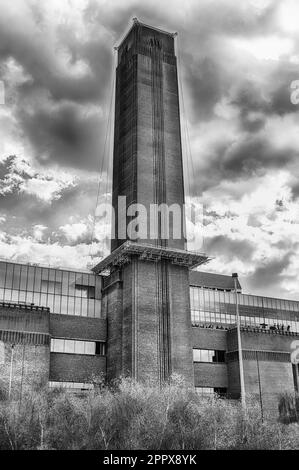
x: 145, y: 310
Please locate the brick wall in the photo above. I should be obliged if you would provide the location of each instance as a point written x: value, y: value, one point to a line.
x: 208, y: 338
x: 21, y: 319
x: 76, y: 367
x: 210, y: 375
x: 24, y: 346
x: 267, y: 367
x: 149, y: 325
x: 112, y: 302
x: 30, y: 367
x: 69, y: 326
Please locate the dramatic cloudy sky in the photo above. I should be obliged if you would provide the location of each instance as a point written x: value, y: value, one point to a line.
x: 237, y: 62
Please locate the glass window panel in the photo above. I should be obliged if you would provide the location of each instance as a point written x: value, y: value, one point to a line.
x: 72, y: 283
x: 58, y: 281
x: 221, y: 296
x: 9, y: 276
x: 91, y: 308
x: 192, y: 297
x: 22, y: 296
x: 57, y: 300
x: 71, y: 306
x: 23, y: 280
x: 205, y: 355
x: 51, y: 274
x: 44, y: 279
x: 79, y: 347
x: 85, y: 279
x: 44, y: 286
x: 50, y: 302
x: 196, y: 355
x: 2, y: 273
x: 69, y: 346
x: 43, y: 300
x: 57, y: 345
x: 205, y: 299
x: 100, y: 348
x: 7, y: 295
x: 201, y: 298
x: 98, y: 313
x: 29, y: 297
x: 65, y: 282
x: 63, y: 307
x: 16, y: 277
x: 77, y: 307
x: 90, y: 347
x: 30, y: 278
x: 37, y: 280
x: 84, y: 307
x: 260, y: 301
x: 98, y: 287
x: 14, y: 295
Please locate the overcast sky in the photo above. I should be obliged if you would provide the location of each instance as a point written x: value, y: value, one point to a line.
x: 237, y: 62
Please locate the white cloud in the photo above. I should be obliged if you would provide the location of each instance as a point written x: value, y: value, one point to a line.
x: 73, y: 232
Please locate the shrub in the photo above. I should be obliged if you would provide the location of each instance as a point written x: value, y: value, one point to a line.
x: 129, y: 415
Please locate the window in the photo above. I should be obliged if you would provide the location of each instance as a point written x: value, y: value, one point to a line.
x: 72, y: 385
x: 211, y: 391
x: 205, y: 391
x: 87, y: 292
x: 208, y: 355
x: 51, y: 286
x: 219, y: 356
x: 70, y: 346
x: 100, y: 348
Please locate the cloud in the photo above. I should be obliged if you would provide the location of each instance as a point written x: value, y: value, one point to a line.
x: 236, y: 62
x: 269, y: 275
x: 17, y: 176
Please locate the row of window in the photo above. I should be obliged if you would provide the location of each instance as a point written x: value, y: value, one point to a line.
x: 71, y: 346
x: 49, y: 280
x: 198, y: 317
x: 208, y: 355
x: 83, y: 386
x: 211, y: 391
x: 213, y: 300
x: 61, y: 304
x: 72, y: 385
x: 63, y: 292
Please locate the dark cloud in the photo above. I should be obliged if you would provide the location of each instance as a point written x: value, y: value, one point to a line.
x: 268, y: 274
x: 44, y: 68
x: 206, y: 86
x: 65, y: 135
x: 75, y: 202
x: 244, y: 158
x: 59, y: 74
x: 222, y: 245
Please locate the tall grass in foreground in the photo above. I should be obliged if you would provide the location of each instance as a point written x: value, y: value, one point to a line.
x: 134, y: 416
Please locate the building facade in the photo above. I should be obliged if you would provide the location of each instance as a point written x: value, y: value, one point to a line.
x: 50, y: 318
x: 53, y: 331
x: 144, y: 311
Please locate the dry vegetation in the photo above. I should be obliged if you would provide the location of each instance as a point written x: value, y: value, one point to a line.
x: 133, y: 416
